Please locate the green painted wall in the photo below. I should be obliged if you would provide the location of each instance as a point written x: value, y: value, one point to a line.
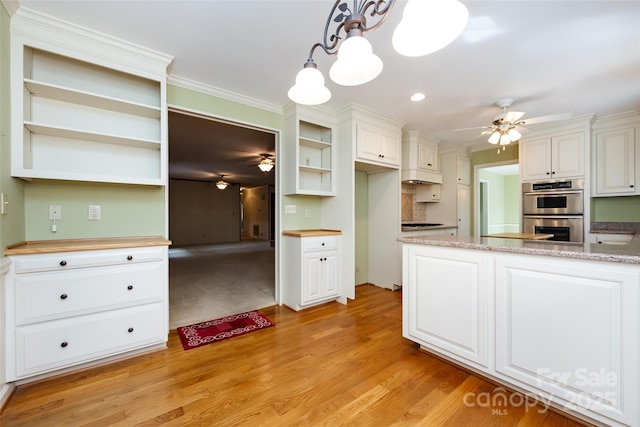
x: 12, y: 224
x: 512, y: 198
x: 361, y: 227
x: 298, y: 220
x: 127, y: 210
x: 615, y: 209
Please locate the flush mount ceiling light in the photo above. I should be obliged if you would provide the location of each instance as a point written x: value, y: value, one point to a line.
x: 221, y: 184
x: 427, y: 26
x: 417, y: 97
x: 266, y: 163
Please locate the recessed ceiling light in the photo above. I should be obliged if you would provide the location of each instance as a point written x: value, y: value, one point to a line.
x: 417, y: 97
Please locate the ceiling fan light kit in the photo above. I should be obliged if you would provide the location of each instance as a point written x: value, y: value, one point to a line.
x: 221, y: 184
x: 266, y: 164
x: 427, y: 26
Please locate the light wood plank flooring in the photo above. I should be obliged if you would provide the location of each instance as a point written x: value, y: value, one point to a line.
x: 332, y: 365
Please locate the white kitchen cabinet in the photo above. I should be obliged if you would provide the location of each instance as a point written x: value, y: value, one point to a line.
x: 455, y: 198
x: 66, y: 309
x: 616, y: 156
x: 446, y: 302
x: 308, y: 157
x: 312, y: 272
x: 561, y: 156
x: 76, y: 120
x: 571, y: 329
x: 377, y: 145
x: 428, y: 192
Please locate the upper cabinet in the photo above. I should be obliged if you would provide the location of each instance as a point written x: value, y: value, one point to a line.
x: 561, y: 156
x: 420, y: 160
x: 616, y: 155
x: 463, y: 170
x: 86, y: 117
x: 377, y: 145
x: 308, y: 155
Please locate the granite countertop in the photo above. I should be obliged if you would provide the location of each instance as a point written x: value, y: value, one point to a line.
x: 52, y: 246
x: 426, y: 227
x: 629, y: 253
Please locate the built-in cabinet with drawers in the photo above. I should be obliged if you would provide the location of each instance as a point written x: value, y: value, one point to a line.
x: 70, y: 307
x: 616, y: 156
x: 86, y: 113
x: 313, y: 264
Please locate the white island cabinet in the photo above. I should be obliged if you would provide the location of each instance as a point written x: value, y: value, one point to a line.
x: 69, y: 303
x: 312, y: 259
x: 564, y: 329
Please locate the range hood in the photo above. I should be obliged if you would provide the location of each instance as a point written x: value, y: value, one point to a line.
x: 417, y: 176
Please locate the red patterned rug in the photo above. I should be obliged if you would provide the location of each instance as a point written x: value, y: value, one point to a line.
x: 193, y: 336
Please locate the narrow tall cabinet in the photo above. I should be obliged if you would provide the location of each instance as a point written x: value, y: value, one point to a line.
x: 86, y: 109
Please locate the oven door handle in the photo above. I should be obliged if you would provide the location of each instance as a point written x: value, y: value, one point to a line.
x: 560, y: 216
x: 553, y: 193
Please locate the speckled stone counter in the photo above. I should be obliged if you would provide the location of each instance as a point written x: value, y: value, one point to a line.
x: 629, y: 253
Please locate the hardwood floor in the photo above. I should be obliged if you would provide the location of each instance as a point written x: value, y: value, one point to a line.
x: 330, y: 365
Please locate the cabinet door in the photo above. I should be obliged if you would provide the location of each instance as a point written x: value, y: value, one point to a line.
x: 615, y: 162
x: 445, y: 301
x: 428, y: 193
x: 464, y: 210
x: 311, y: 277
x: 330, y: 280
x: 567, y: 155
x: 367, y: 143
x: 463, y: 165
x: 571, y: 330
x: 390, y: 148
x: 427, y: 157
x: 535, y: 160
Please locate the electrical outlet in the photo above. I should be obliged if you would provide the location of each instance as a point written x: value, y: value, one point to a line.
x: 94, y: 213
x: 55, y: 212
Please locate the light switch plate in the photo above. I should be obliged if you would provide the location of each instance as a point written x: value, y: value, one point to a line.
x: 290, y: 209
x: 4, y: 203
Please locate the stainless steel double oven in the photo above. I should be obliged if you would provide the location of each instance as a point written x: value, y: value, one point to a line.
x: 554, y: 207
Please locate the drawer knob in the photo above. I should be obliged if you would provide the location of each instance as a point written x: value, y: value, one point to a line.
x: 631, y: 186
x: 130, y: 287
x: 129, y: 257
x: 63, y: 263
x: 322, y: 243
x: 63, y: 296
x: 64, y: 344
x: 130, y: 330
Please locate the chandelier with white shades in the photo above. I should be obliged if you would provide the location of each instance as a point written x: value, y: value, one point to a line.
x: 426, y: 26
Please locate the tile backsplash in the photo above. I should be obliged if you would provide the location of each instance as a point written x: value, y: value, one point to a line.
x: 412, y: 211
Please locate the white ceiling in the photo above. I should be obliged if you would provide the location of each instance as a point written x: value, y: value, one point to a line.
x: 552, y: 57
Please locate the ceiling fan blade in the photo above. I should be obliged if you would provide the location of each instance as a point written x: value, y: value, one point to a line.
x: 549, y: 118
x: 513, y: 116
x: 475, y: 128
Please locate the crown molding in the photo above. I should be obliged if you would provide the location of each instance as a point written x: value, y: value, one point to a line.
x: 46, y: 32
x: 186, y: 83
x: 11, y: 6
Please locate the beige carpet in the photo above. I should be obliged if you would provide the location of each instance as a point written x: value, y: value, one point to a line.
x: 211, y: 281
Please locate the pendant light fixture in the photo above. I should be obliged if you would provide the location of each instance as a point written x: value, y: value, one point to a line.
x: 266, y: 163
x: 427, y: 25
x: 222, y: 184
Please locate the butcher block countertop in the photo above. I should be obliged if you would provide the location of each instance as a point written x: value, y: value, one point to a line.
x: 524, y: 236
x: 311, y: 232
x: 51, y: 246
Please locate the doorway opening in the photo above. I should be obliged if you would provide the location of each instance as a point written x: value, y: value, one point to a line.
x: 222, y: 259
x: 497, y: 198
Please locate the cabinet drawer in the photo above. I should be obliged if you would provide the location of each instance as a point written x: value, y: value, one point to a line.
x: 319, y: 243
x: 47, y: 296
x: 51, y: 345
x: 81, y: 259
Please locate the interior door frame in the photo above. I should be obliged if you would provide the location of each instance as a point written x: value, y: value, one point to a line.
x: 476, y: 192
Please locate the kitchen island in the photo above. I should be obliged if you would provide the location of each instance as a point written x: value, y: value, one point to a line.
x: 558, y: 322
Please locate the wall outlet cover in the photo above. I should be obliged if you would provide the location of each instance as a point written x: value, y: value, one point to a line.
x: 94, y: 213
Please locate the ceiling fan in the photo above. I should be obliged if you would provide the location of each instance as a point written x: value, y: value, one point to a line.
x: 266, y: 162
x: 504, y: 128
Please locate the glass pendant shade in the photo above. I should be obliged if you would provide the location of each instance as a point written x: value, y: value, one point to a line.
x: 504, y: 139
x: 494, y: 138
x: 428, y: 26
x: 356, y: 63
x: 221, y: 185
x: 514, y: 135
x: 309, y: 88
x: 265, y: 165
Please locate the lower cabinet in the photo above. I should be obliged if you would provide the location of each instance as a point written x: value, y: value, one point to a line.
x: 69, y: 308
x: 564, y: 331
x: 445, y: 302
x: 311, y: 275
